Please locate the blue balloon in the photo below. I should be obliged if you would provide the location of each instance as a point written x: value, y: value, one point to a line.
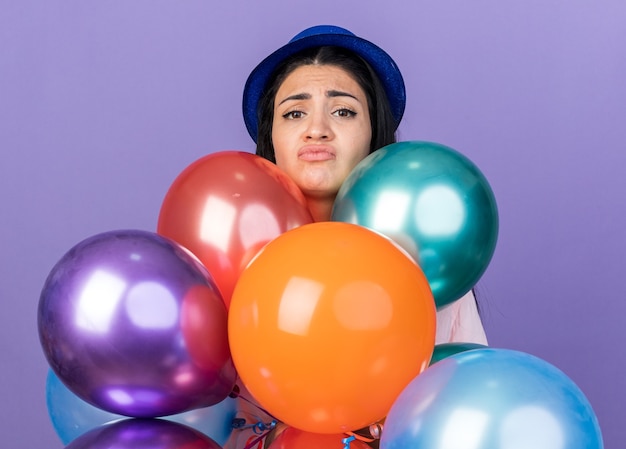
x: 72, y: 417
x: 491, y: 399
x: 434, y: 202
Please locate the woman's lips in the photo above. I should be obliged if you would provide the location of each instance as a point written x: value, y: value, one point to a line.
x: 316, y: 153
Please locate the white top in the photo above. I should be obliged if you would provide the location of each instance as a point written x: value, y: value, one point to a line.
x: 460, y: 322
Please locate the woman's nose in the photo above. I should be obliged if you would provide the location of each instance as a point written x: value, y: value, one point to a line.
x: 318, y: 128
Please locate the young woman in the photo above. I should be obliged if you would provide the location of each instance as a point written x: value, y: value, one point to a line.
x: 316, y: 107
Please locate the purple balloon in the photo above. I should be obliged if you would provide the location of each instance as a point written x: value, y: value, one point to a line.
x: 143, y: 434
x: 132, y: 323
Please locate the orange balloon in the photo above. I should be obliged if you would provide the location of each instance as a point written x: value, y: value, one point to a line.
x: 328, y: 324
x: 292, y: 438
x: 225, y: 207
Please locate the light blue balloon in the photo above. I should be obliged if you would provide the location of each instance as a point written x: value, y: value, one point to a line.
x: 491, y: 399
x: 434, y: 202
x: 72, y: 417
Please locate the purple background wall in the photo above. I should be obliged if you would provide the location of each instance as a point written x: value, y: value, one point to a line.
x: 103, y: 104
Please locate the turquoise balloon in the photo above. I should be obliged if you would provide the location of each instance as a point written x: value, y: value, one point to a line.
x: 434, y: 202
x: 72, y: 417
x: 491, y: 399
x: 445, y: 350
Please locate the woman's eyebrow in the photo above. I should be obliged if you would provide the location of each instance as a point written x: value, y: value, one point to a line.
x: 339, y: 93
x: 330, y: 94
x: 302, y: 96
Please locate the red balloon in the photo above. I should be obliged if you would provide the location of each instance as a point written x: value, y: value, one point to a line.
x: 225, y: 207
x: 292, y: 438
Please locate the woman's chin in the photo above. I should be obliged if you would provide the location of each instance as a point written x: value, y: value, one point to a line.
x: 318, y: 184
x: 319, y: 192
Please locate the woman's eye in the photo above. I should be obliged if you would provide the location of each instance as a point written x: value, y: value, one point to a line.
x: 344, y: 112
x: 291, y: 115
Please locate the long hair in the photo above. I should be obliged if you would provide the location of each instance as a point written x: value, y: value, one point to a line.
x: 381, y: 119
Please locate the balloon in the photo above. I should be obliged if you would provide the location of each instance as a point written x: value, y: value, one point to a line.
x: 434, y: 202
x: 143, y: 434
x: 292, y: 438
x: 445, y: 350
x: 72, y: 417
x: 132, y: 323
x: 214, y: 421
x: 327, y: 325
x: 492, y: 399
x: 225, y: 207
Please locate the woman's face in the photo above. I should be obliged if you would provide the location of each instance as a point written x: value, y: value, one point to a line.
x: 321, y: 128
